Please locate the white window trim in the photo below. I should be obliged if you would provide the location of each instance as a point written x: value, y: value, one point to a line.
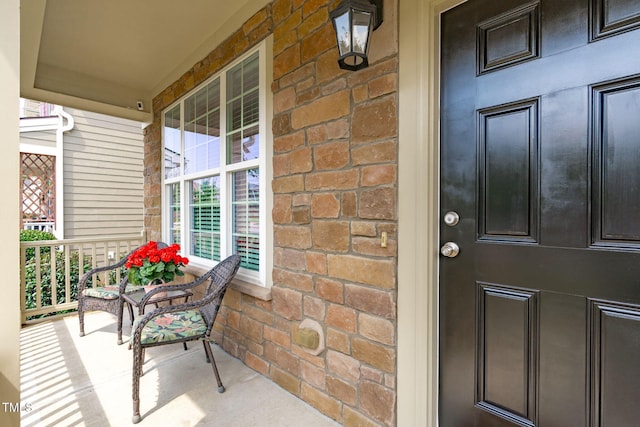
x: 264, y: 163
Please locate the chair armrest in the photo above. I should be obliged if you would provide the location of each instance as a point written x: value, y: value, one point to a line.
x: 123, y: 284
x: 170, y: 309
x: 168, y: 288
x: 83, y: 280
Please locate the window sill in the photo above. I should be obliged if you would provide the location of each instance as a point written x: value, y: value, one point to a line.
x: 256, y: 291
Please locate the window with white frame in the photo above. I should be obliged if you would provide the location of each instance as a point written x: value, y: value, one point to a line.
x: 215, y: 176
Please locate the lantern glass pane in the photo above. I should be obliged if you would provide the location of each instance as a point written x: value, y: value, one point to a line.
x: 343, y: 33
x: 360, y: 30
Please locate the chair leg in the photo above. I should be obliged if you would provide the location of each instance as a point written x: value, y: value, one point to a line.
x: 136, y: 412
x: 136, y: 371
x: 207, y: 349
x: 142, y: 356
x: 81, y: 318
x: 130, y: 313
x: 119, y: 315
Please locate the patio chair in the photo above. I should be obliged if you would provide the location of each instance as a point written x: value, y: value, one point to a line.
x: 105, y: 298
x: 183, y: 322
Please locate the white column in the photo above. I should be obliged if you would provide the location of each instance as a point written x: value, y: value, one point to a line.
x: 9, y: 213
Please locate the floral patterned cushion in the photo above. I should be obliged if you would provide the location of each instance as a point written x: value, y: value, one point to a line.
x: 173, y: 326
x: 108, y: 292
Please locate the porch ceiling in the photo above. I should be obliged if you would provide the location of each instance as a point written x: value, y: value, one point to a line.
x: 105, y: 56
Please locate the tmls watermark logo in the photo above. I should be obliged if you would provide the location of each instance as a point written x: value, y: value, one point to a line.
x: 9, y: 407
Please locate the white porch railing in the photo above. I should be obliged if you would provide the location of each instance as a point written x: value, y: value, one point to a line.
x: 50, y: 271
x: 41, y: 226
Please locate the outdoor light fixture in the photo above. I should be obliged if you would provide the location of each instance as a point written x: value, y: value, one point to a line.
x: 354, y: 21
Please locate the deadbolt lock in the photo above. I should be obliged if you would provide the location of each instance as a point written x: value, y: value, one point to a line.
x: 451, y: 218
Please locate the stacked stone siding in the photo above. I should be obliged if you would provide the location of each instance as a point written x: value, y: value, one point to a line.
x: 334, y: 194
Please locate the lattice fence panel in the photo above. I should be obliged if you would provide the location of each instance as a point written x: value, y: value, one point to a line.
x: 38, y: 188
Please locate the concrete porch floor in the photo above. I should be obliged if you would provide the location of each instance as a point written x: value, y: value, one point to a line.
x: 71, y: 381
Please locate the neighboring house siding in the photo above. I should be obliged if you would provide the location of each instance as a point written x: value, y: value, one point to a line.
x: 103, y: 176
x: 45, y: 138
x: 101, y: 172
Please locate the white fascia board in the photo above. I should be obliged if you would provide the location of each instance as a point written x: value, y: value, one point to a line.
x: 38, y: 124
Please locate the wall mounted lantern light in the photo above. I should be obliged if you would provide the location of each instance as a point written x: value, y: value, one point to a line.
x: 354, y: 21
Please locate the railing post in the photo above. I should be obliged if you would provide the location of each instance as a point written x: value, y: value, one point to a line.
x: 38, y: 279
x: 67, y: 274
x: 53, y: 259
x: 23, y: 284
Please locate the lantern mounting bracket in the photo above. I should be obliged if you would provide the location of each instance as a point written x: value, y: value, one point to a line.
x: 378, y: 21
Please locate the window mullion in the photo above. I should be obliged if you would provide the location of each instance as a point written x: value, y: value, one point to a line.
x: 262, y: 162
x: 224, y: 216
x: 185, y: 239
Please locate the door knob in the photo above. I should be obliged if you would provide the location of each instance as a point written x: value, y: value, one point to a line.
x: 451, y: 218
x: 450, y: 250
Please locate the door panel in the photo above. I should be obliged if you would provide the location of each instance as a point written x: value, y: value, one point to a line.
x: 508, y: 164
x: 613, y: 17
x: 507, y: 352
x: 540, y: 155
x: 615, y: 351
x: 616, y: 108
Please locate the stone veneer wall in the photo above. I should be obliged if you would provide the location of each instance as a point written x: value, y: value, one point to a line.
x: 335, y: 192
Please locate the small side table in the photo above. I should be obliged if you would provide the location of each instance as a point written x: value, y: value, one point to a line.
x: 134, y: 299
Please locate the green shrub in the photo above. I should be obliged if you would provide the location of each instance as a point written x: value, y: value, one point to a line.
x: 34, y: 236
x: 45, y: 278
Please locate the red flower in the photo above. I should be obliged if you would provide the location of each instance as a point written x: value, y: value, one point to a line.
x: 138, y: 263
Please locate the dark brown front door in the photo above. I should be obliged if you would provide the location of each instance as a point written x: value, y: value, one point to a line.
x: 540, y: 159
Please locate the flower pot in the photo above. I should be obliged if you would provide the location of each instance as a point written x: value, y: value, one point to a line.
x: 153, y: 285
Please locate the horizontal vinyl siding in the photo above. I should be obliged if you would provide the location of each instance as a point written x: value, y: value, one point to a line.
x: 103, y: 171
x: 45, y: 138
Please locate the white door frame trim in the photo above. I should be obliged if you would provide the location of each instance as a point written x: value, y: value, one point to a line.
x: 418, y: 207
